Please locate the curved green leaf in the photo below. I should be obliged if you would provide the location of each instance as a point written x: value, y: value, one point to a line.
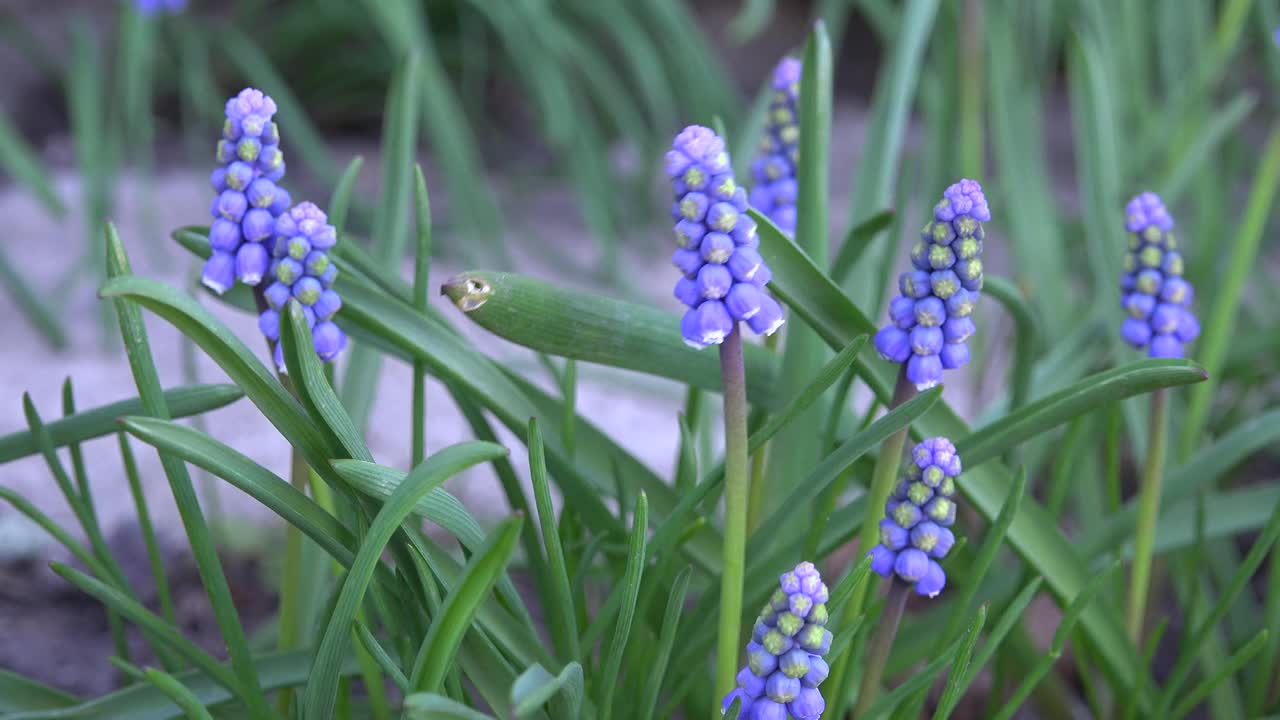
x: 318, y: 700
x: 143, y: 618
x: 992, y: 440
x: 626, y: 614
x: 232, y: 355
x: 536, y: 687
x: 560, y: 321
x: 223, y: 461
x: 436, y: 654
x: 429, y: 706
x: 182, y: 401
x: 145, y: 702
x: 313, y: 387
x: 20, y: 695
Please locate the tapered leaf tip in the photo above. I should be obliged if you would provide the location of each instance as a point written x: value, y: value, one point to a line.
x: 468, y: 292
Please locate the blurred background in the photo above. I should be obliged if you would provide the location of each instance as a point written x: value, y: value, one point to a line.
x: 542, y: 127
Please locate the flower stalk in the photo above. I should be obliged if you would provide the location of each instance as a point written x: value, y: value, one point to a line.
x: 734, y: 386
x: 895, y: 603
x: 1148, y: 512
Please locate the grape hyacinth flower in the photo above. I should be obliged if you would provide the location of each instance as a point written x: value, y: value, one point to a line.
x: 722, y: 285
x: 723, y: 274
x: 302, y: 271
x: 1153, y: 292
x: 930, y: 319
x: 774, y: 170
x: 785, y: 662
x: 248, y: 199
x: 915, y: 533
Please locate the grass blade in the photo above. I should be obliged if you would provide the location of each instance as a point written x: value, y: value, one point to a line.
x: 631, y: 590
x: 86, y: 425
x: 957, y: 678
x: 662, y: 655
x: 535, y: 687
x: 562, y: 611
x: 428, y: 706
x: 340, y: 199
x: 436, y: 654
x: 320, y: 695
x: 1106, y: 387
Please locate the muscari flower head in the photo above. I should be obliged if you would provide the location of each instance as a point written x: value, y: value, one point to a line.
x: 930, y: 321
x: 915, y: 533
x: 723, y: 274
x: 302, y: 271
x: 1152, y: 290
x: 785, y: 662
x: 774, y: 170
x: 248, y: 200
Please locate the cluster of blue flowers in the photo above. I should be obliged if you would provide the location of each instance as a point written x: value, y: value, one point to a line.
x: 931, y: 316
x: 249, y: 200
x: 915, y: 533
x: 302, y: 270
x: 785, y: 662
x: 774, y: 170
x: 1153, y: 292
x: 723, y: 274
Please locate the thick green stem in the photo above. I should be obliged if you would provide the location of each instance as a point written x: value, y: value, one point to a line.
x: 734, y: 387
x: 882, y: 478
x: 881, y: 643
x: 1148, y: 511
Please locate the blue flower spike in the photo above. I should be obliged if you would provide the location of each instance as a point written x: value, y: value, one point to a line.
x: 930, y: 319
x: 302, y: 271
x: 248, y: 200
x: 785, y: 662
x: 774, y: 169
x: 916, y: 531
x: 723, y: 276
x: 1153, y: 292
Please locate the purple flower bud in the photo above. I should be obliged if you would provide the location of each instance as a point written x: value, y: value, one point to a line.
x: 269, y: 324
x: 926, y: 340
x: 958, y: 329
x: 954, y: 355
x: 707, y: 324
x: 224, y: 236
x: 745, y: 263
x: 219, y: 272
x: 251, y: 263
x: 782, y: 689
x: 261, y: 194
x: 744, y: 300
x: 893, y: 344
x: 924, y: 371
x: 933, y: 581
x: 688, y: 262
x: 329, y: 340
x: 911, y: 565
x: 769, y: 319
x: 257, y: 225
x: 714, y: 281
x: 716, y: 248
x: 808, y: 705
x: 327, y: 305
x: 687, y: 292
x: 766, y: 709
x: 882, y: 560
x: 902, y: 311
x: 307, y: 290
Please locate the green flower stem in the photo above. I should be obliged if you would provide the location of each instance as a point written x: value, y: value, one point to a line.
x: 734, y: 387
x: 881, y: 643
x: 290, y: 620
x: 882, y: 478
x: 1148, y: 511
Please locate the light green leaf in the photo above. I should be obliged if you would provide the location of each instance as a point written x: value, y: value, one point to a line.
x: 535, y: 687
